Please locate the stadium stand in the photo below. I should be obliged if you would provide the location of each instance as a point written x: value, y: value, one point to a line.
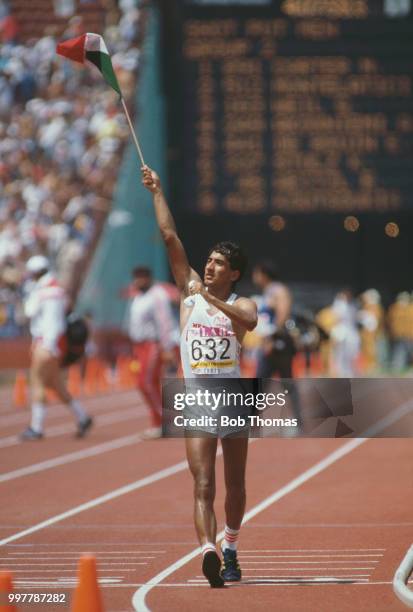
x: 62, y: 136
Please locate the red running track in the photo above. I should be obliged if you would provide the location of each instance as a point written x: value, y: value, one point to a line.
x: 329, y: 541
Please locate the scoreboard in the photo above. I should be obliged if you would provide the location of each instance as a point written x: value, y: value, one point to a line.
x: 290, y: 106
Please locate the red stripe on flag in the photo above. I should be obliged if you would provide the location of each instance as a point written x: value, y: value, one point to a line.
x: 73, y: 49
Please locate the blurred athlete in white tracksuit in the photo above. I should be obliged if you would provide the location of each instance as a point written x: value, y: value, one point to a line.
x: 46, y: 307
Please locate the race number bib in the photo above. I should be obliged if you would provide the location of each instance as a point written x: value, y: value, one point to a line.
x: 212, y: 355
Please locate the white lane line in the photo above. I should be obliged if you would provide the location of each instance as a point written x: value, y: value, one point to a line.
x: 99, y: 403
x: 286, y: 579
x: 75, y: 563
x: 106, y: 580
x: 362, y: 556
x: 134, y: 486
x: 88, y: 527
x: 92, y: 451
x: 138, y: 599
x: 321, y: 550
x: 84, y: 545
x: 102, y: 499
x: 69, y: 582
x: 100, y: 421
x: 121, y: 527
x: 306, y: 569
x: 238, y: 585
x: 52, y: 571
x: 308, y: 576
x: 98, y: 501
x: 400, y: 579
x: 304, y: 562
x: 328, y: 525
x: 97, y: 552
x: 321, y: 562
x: 301, y: 577
x: 56, y: 584
x: 14, y: 559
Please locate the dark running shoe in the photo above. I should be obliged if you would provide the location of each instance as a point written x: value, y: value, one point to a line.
x: 230, y: 570
x: 83, y: 427
x: 211, y: 566
x: 31, y: 434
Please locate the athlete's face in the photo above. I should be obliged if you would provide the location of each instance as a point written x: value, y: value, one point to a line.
x: 142, y: 283
x: 218, y: 272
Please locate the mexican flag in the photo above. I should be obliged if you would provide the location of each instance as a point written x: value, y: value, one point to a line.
x: 91, y: 47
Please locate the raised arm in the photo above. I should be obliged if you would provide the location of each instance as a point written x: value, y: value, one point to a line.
x: 181, y: 270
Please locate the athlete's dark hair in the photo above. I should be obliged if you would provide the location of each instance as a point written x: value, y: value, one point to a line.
x: 140, y: 271
x: 268, y: 267
x: 235, y: 255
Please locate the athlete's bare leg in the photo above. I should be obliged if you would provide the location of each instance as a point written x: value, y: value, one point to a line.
x: 59, y: 386
x: 235, y: 460
x: 201, y: 454
x: 38, y: 389
x: 46, y: 373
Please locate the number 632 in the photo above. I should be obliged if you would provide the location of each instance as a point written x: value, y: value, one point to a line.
x: 210, y: 346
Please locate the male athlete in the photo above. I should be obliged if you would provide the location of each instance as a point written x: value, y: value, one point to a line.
x: 46, y: 307
x: 277, y: 347
x: 227, y: 317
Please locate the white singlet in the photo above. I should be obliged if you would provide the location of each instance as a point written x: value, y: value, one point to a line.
x: 209, y: 346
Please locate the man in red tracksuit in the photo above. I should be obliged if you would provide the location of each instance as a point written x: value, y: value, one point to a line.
x: 154, y: 335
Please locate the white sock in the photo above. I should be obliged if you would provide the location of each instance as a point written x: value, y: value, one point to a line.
x: 207, y: 547
x: 38, y: 414
x: 230, y: 538
x: 78, y: 411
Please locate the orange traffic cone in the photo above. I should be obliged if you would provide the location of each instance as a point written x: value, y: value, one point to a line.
x: 20, y: 390
x: 6, y: 587
x: 87, y: 596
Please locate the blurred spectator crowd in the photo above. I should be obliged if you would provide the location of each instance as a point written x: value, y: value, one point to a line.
x: 62, y: 132
x: 362, y: 337
x: 351, y: 336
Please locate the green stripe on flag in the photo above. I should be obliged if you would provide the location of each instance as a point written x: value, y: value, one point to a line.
x: 104, y: 63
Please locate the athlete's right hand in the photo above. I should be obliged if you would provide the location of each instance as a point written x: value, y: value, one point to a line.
x: 150, y: 179
x: 195, y: 287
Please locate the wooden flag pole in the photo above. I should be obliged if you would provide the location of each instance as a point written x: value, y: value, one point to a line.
x: 138, y: 148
